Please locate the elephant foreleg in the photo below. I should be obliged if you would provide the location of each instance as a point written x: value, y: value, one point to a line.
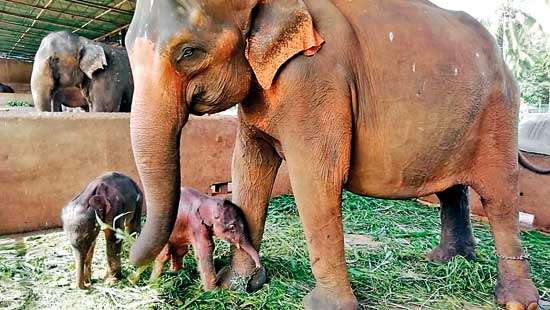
x: 204, y: 249
x: 113, y: 257
x: 317, y: 178
x: 254, y: 169
x: 456, y: 229
x: 42, y: 99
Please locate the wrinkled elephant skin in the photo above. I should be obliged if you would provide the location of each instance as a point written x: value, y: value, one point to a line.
x: 386, y: 98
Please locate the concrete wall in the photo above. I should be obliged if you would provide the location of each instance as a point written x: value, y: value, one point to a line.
x: 47, y: 158
x: 534, y: 195
x: 13, y: 71
x: 24, y: 88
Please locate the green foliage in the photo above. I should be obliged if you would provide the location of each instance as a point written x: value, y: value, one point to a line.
x: 18, y: 103
x: 389, y: 273
x: 535, y: 83
x: 515, y: 32
x: 526, y: 49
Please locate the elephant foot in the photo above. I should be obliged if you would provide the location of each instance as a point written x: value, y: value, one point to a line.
x: 517, y: 294
x: 113, y: 278
x: 228, y: 278
x: 209, y: 286
x: 83, y: 286
x: 321, y: 299
x: 443, y: 254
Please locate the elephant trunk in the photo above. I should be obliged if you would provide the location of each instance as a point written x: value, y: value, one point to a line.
x: 157, y: 117
x: 42, y: 84
x: 251, y: 251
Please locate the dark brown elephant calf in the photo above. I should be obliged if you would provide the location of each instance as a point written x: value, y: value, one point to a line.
x: 109, y: 196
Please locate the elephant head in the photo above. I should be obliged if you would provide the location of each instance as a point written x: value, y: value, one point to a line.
x: 198, y: 57
x: 92, y: 57
x: 62, y: 62
x: 228, y: 223
x: 79, y: 224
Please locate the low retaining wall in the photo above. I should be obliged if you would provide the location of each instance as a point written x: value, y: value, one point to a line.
x: 47, y: 158
x: 534, y: 200
x: 24, y: 88
x: 13, y: 71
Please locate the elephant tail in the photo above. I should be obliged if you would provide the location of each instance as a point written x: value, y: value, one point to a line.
x: 531, y: 167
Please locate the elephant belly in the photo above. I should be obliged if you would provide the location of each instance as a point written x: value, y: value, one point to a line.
x: 411, y: 167
x: 426, y: 77
x: 70, y: 97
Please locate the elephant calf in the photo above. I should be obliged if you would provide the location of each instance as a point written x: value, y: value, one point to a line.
x: 199, y: 217
x: 73, y: 71
x: 110, y: 195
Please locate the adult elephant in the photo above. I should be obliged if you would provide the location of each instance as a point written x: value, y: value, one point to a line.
x: 73, y: 71
x: 386, y: 98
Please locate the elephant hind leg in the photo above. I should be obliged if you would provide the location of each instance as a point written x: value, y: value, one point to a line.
x: 499, y: 197
x: 494, y: 176
x: 177, y: 258
x: 456, y: 229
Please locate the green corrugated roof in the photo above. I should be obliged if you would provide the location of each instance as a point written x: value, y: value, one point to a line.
x: 23, y: 23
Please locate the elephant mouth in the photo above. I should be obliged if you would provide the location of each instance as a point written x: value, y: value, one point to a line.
x: 201, y: 105
x: 200, y: 108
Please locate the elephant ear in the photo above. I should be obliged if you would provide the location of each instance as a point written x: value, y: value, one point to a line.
x: 100, y: 202
x: 101, y: 205
x: 280, y: 30
x: 92, y: 58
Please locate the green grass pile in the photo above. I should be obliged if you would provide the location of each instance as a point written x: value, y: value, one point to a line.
x: 386, y: 242
x: 18, y: 103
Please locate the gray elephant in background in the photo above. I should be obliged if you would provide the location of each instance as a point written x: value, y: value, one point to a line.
x: 5, y: 88
x: 73, y: 71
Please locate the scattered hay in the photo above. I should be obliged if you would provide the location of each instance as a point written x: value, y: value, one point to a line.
x: 362, y: 240
x: 38, y: 272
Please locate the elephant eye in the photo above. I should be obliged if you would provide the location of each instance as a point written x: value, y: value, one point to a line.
x: 186, y: 53
x: 231, y: 226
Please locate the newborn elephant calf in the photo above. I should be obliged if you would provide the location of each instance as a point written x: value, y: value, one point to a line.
x: 199, y: 217
x: 110, y: 195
